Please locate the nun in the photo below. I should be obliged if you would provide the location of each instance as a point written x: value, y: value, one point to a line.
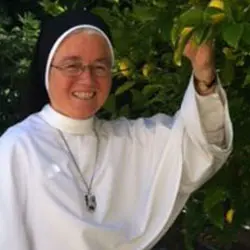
x: 72, y: 181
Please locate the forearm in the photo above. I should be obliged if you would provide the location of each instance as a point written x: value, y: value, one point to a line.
x: 212, y: 116
x: 210, y: 103
x: 208, y: 135
x: 205, y: 79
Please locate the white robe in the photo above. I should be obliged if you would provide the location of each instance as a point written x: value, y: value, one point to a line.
x: 146, y: 170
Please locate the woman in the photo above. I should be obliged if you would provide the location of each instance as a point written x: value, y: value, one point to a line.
x: 71, y: 181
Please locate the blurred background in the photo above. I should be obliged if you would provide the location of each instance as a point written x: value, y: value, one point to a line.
x: 151, y: 76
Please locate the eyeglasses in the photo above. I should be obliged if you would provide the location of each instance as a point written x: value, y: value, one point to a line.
x: 75, y: 69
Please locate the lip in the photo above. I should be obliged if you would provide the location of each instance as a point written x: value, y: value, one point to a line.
x: 84, y: 95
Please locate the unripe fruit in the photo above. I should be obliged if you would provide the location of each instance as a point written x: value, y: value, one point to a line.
x: 147, y: 69
x: 124, y: 67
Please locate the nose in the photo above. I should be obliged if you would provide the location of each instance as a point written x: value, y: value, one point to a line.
x: 86, y: 77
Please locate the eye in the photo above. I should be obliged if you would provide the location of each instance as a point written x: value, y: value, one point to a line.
x: 72, y: 67
x: 100, y: 69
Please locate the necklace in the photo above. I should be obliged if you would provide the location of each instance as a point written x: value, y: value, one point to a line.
x: 89, y: 197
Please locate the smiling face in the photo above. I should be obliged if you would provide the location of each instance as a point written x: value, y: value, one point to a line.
x: 80, y: 96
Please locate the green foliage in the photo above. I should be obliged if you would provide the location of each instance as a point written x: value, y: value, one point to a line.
x: 52, y: 8
x: 16, y: 47
x: 146, y: 33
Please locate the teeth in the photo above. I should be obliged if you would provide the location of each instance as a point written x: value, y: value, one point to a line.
x: 84, y: 95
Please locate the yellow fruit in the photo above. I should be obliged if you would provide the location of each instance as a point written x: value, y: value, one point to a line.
x: 218, y: 4
x: 230, y: 215
x: 124, y: 67
x: 147, y: 69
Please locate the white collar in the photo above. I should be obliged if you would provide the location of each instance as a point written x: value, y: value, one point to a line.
x: 65, y: 123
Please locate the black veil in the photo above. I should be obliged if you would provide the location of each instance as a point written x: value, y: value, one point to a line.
x: 35, y: 95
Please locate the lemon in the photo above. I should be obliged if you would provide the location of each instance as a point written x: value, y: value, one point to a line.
x: 218, y: 4
x: 230, y: 215
x: 147, y: 69
x: 220, y: 15
x: 124, y: 67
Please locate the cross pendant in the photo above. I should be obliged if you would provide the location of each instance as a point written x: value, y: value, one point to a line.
x: 90, y: 202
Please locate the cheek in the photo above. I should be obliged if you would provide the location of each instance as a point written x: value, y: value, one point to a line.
x: 59, y: 86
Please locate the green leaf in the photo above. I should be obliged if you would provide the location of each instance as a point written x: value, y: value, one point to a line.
x: 246, y: 33
x: 160, y: 3
x: 247, y: 80
x: 178, y: 53
x: 165, y: 28
x: 216, y: 215
x: 124, y: 87
x: 53, y: 8
x: 175, y: 32
x: 110, y: 104
x: 143, y: 13
x: 148, y: 90
x: 102, y: 12
x: 210, y: 13
x: 138, y: 100
x: 232, y: 34
x: 124, y: 111
x: 228, y: 10
x: 213, y: 197
x: 200, y: 34
x: 156, y: 100
x: 228, y: 71
x: 192, y: 17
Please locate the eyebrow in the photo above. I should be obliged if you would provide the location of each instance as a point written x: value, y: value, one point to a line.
x: 78, y: 58
x: 72, y: 58
x: 104, y: 60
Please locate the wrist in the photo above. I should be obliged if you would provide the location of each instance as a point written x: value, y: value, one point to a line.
x: 206, y: 74
x: 204, y: 86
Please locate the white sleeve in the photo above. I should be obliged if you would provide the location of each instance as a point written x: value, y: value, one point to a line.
x: 184, y: 139
x: 212, y: 113
x: 208, y: 136
x: 12, y: 197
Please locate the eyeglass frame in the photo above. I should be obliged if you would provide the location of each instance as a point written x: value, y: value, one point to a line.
x: 82, y: 69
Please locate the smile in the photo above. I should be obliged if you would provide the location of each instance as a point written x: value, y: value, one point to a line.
x: 84, y: 95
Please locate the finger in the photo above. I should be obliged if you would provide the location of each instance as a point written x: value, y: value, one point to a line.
x: 190, y: 49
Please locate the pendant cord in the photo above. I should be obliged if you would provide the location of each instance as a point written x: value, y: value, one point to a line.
x: 76, y: 171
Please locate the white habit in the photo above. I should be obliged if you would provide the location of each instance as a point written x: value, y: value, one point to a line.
x: 146, y: 170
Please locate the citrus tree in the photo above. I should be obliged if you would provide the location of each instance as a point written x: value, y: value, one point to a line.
x: 151, y: 75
